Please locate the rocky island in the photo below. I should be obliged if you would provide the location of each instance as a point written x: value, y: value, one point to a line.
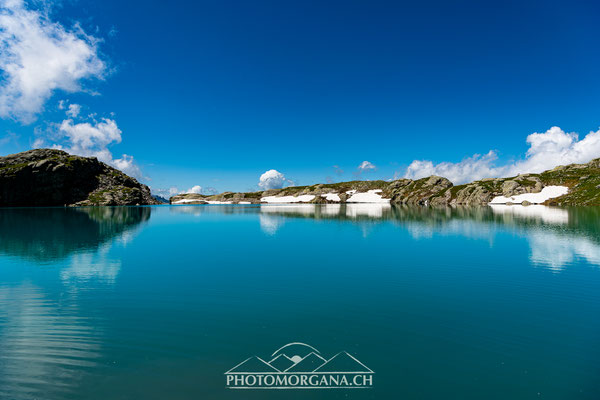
x: 574, y: 185
x: 48, y: 177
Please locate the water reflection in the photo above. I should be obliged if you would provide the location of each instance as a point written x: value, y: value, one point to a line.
x: 43, y: 344
x: 336, y: 211
x: 92, y: 265
x: 550, y: 215
x: 556, y: 250
x: 48, y: 234
x: 60, y: 321
x: 270, y: 224
x: 557, y: 236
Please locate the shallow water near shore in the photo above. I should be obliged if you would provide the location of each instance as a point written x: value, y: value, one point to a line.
x: 497, y: 302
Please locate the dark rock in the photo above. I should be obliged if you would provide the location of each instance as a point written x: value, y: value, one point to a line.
x: 47, y: 177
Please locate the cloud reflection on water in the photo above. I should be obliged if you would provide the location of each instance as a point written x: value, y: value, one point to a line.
x: 46, y: 343
x: 556, y: 236
x: 43, y: 344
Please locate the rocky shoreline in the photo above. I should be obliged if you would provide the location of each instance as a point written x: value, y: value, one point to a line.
x: 49, y: 177
x: 578, y: 185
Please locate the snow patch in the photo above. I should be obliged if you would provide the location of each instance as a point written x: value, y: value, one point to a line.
x: 372, y: 196
x: 331, y: 196
x: 183, y: 201
x: 549, y: 192
x: 187, y: 201
x: 305, y: 198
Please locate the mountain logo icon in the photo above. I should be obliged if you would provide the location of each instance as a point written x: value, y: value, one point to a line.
x: 298, y: 365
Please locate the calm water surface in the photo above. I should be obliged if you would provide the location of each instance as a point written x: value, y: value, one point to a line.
x: 159, y: 302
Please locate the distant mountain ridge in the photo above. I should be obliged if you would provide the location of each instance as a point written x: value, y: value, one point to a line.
x: 582, y: 181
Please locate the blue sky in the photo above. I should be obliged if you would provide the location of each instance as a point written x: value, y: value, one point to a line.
x: 215, y: 93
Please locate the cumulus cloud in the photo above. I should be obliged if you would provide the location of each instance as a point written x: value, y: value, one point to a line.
x: 195, y: 189
x: 273, y: 179
x: 165, y: 193
x: 90, y: 139
x: 94, y: 136
x: 366, y: 166
x: 470, y: 169
x: 173, y: 191
x: 74, y: 110
x: 39, y: 57
x: 546, y: 151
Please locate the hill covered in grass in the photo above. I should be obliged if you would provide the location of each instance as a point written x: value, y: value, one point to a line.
x: 582, y: 181
x: 48, y: 177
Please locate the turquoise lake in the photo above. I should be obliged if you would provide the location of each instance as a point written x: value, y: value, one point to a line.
x: 159, y: 302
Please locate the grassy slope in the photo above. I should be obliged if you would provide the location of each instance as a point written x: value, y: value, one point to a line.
x: 583, y: 181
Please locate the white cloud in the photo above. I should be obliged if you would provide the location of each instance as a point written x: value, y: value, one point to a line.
x: 555, y: 147
x: 173, y: 190
x: 74, y: 110
x: 470, y: 169
x: 127, y: 165
x: 38, y: 57
x: 195, y: 189
x: 273, y: 179
x: 86, y: 136
x: 546, y: 151
x: 166, y: 193
x: 90, y: 139
x: 366, y: 166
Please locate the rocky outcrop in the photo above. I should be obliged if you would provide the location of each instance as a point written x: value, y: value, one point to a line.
x: 419, y: 192
x: 582, y: 180
x: 47, y: 177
